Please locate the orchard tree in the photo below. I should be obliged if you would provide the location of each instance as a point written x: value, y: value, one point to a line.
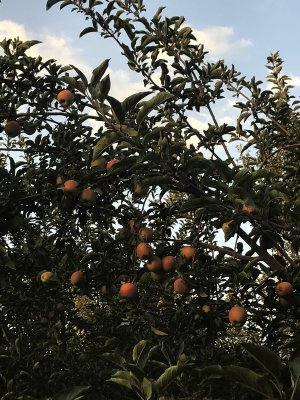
x: 114, y: 282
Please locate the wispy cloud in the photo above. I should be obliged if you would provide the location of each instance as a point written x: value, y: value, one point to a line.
x: 295, y: 81
x: 221, y: 40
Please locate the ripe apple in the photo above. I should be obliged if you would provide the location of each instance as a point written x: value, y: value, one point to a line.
x: 168, y: 263
x: 88, y: 195
x: 128, y: 290
x: 284, y: 289
x: 180, y: 286
x: 65, y: 98
x: 154, y: 264
x: 12, y: 128
x: 143, y: 251
x: 237, y: 315
x: 70, y: 185
x: 188, y: 252
x: 111, y: 163
x: 77, y: 277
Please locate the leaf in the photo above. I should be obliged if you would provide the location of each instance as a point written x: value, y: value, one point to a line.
x: 120, y: 381
x: 262, y: 173
x: 105, y: 141
x: 74, y: 394
x: 69, y: 80
x: 114, y: 358
x: 196, y: 162
x: 265, y: 357
x: 50, y: 3
x: 138, y: 350
x: 158, y: 332
x: 213, y: 371
x: 81, y: 75
x: 87, y: 30
x: 195, y: 203
x: 29, y: 43
x: 167, y: 377
x: 151, y: 104
x: 250, y: 379
x: 294, y: 365
x: 125, y: 378
x: 241, y: 176
x: 157, y: 180
x: 132, y: 101
x: 103, y: 88
x: 99, y: 72
x: 117, y: 108
x: 249, y: 144
x: 147, y: 389
x: 79, y: 85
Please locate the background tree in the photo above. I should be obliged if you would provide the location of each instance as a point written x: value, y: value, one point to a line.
x: 90, y: 305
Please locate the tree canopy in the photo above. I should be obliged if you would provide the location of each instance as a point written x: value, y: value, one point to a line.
x: 116, y: 280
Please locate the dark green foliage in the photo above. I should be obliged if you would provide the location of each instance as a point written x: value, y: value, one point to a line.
x: 59, y: 341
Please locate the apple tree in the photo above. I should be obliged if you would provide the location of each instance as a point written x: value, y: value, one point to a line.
x: 142, y: 257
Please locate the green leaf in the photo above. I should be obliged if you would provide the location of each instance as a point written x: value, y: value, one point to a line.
x: 151, y: 105
x: 167, y: 377
x: 87, y: 30
x: 132, y: 101
x: 157, y: 15
x: 117, y: 109
x: 146, y: 389
x: 99, y: 72
x: 212, y: 372
x: 294, y: 365
x: 157, y: 180
x: 241, y: 176
x: 29, y: 43
x: 249, y: 144
x: 266, y: 358
x: 158, y: 332
x: 50, y: 3
x: 250, y: 379
x: 195, y: 203
x: 79, y: 85
x: 81, y: 75
x: 262, y: 173
x: 128, y: 130
x: 103, y: 88
x: 121, y: 382
x: 108, y: 139
x: 114, y: 358
x: 74, y: 394
x: 125, y: 378
x: 197, y: 161
x: 69, y: 80
x: 138, y: 350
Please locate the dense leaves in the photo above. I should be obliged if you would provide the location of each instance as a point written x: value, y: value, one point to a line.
x: 80, y: 181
